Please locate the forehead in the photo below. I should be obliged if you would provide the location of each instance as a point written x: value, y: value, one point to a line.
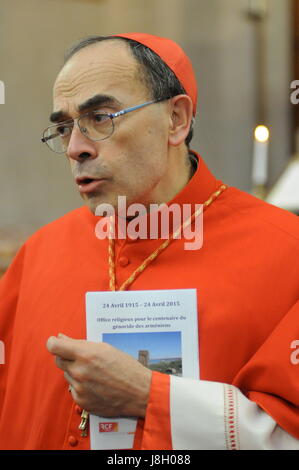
x: 107, y: 68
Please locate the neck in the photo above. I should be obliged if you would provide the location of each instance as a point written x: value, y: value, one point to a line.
x: 181, y: 167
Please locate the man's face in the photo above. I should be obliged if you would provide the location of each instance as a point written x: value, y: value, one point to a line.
x: 133, y: 161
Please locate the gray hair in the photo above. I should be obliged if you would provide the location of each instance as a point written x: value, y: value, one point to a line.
x: 159, y: 78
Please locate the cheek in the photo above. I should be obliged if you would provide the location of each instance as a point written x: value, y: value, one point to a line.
x: 137, y: 157
x: 131, y: 152
x: 144, y: 161
x: 143, y: 145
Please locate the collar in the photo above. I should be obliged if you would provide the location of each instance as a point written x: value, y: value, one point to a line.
x: 198, y: 189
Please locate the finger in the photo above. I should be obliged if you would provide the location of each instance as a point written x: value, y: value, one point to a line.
x: 72, y: 386
x: 69, y: 379
x: 65, y: 348
x: 61, y: 335
x: 63, y: 364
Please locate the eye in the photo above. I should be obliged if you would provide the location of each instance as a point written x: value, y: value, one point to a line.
x: 98, y: 117
x: 63, y: 131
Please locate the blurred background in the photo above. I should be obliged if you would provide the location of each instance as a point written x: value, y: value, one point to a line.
x: 245, y: 54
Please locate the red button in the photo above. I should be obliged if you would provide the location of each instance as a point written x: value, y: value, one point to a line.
x: 78, y: 409
x: 72, y: 441
x: 123, y: 261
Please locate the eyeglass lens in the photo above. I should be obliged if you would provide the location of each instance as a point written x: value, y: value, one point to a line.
x: 93, y: 125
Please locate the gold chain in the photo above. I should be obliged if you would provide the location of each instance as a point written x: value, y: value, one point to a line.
x: 152, y: 256
x: 143, y: 266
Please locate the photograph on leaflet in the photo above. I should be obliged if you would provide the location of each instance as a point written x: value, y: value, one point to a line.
x: 159, y: 351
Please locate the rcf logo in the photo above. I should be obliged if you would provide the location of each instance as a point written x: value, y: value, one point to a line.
x: 108, y: 427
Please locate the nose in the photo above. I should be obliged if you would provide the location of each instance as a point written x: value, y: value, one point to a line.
x: 80, y: 147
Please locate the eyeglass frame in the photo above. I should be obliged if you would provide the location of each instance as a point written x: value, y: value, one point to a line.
x: 110, y: 115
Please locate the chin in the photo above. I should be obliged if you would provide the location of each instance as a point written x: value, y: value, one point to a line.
x: 94, y: 202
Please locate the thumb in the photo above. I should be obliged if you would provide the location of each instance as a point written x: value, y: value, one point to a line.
x: 61, y: 335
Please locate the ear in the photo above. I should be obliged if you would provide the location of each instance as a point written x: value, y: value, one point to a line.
x: 181, y: 113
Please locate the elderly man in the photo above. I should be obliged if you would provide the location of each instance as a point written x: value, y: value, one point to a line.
x: 123, y: 112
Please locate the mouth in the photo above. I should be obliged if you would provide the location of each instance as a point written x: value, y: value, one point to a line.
x: 88, y: 184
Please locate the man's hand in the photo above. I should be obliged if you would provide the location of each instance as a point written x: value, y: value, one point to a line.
x: 104, y: 381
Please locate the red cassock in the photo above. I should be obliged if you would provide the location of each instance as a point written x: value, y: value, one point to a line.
x: 247, y: 279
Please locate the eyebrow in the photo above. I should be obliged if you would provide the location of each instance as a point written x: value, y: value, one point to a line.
x: 96, y: 100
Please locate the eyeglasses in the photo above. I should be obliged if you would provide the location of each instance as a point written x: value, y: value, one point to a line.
x: 94, y: 125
